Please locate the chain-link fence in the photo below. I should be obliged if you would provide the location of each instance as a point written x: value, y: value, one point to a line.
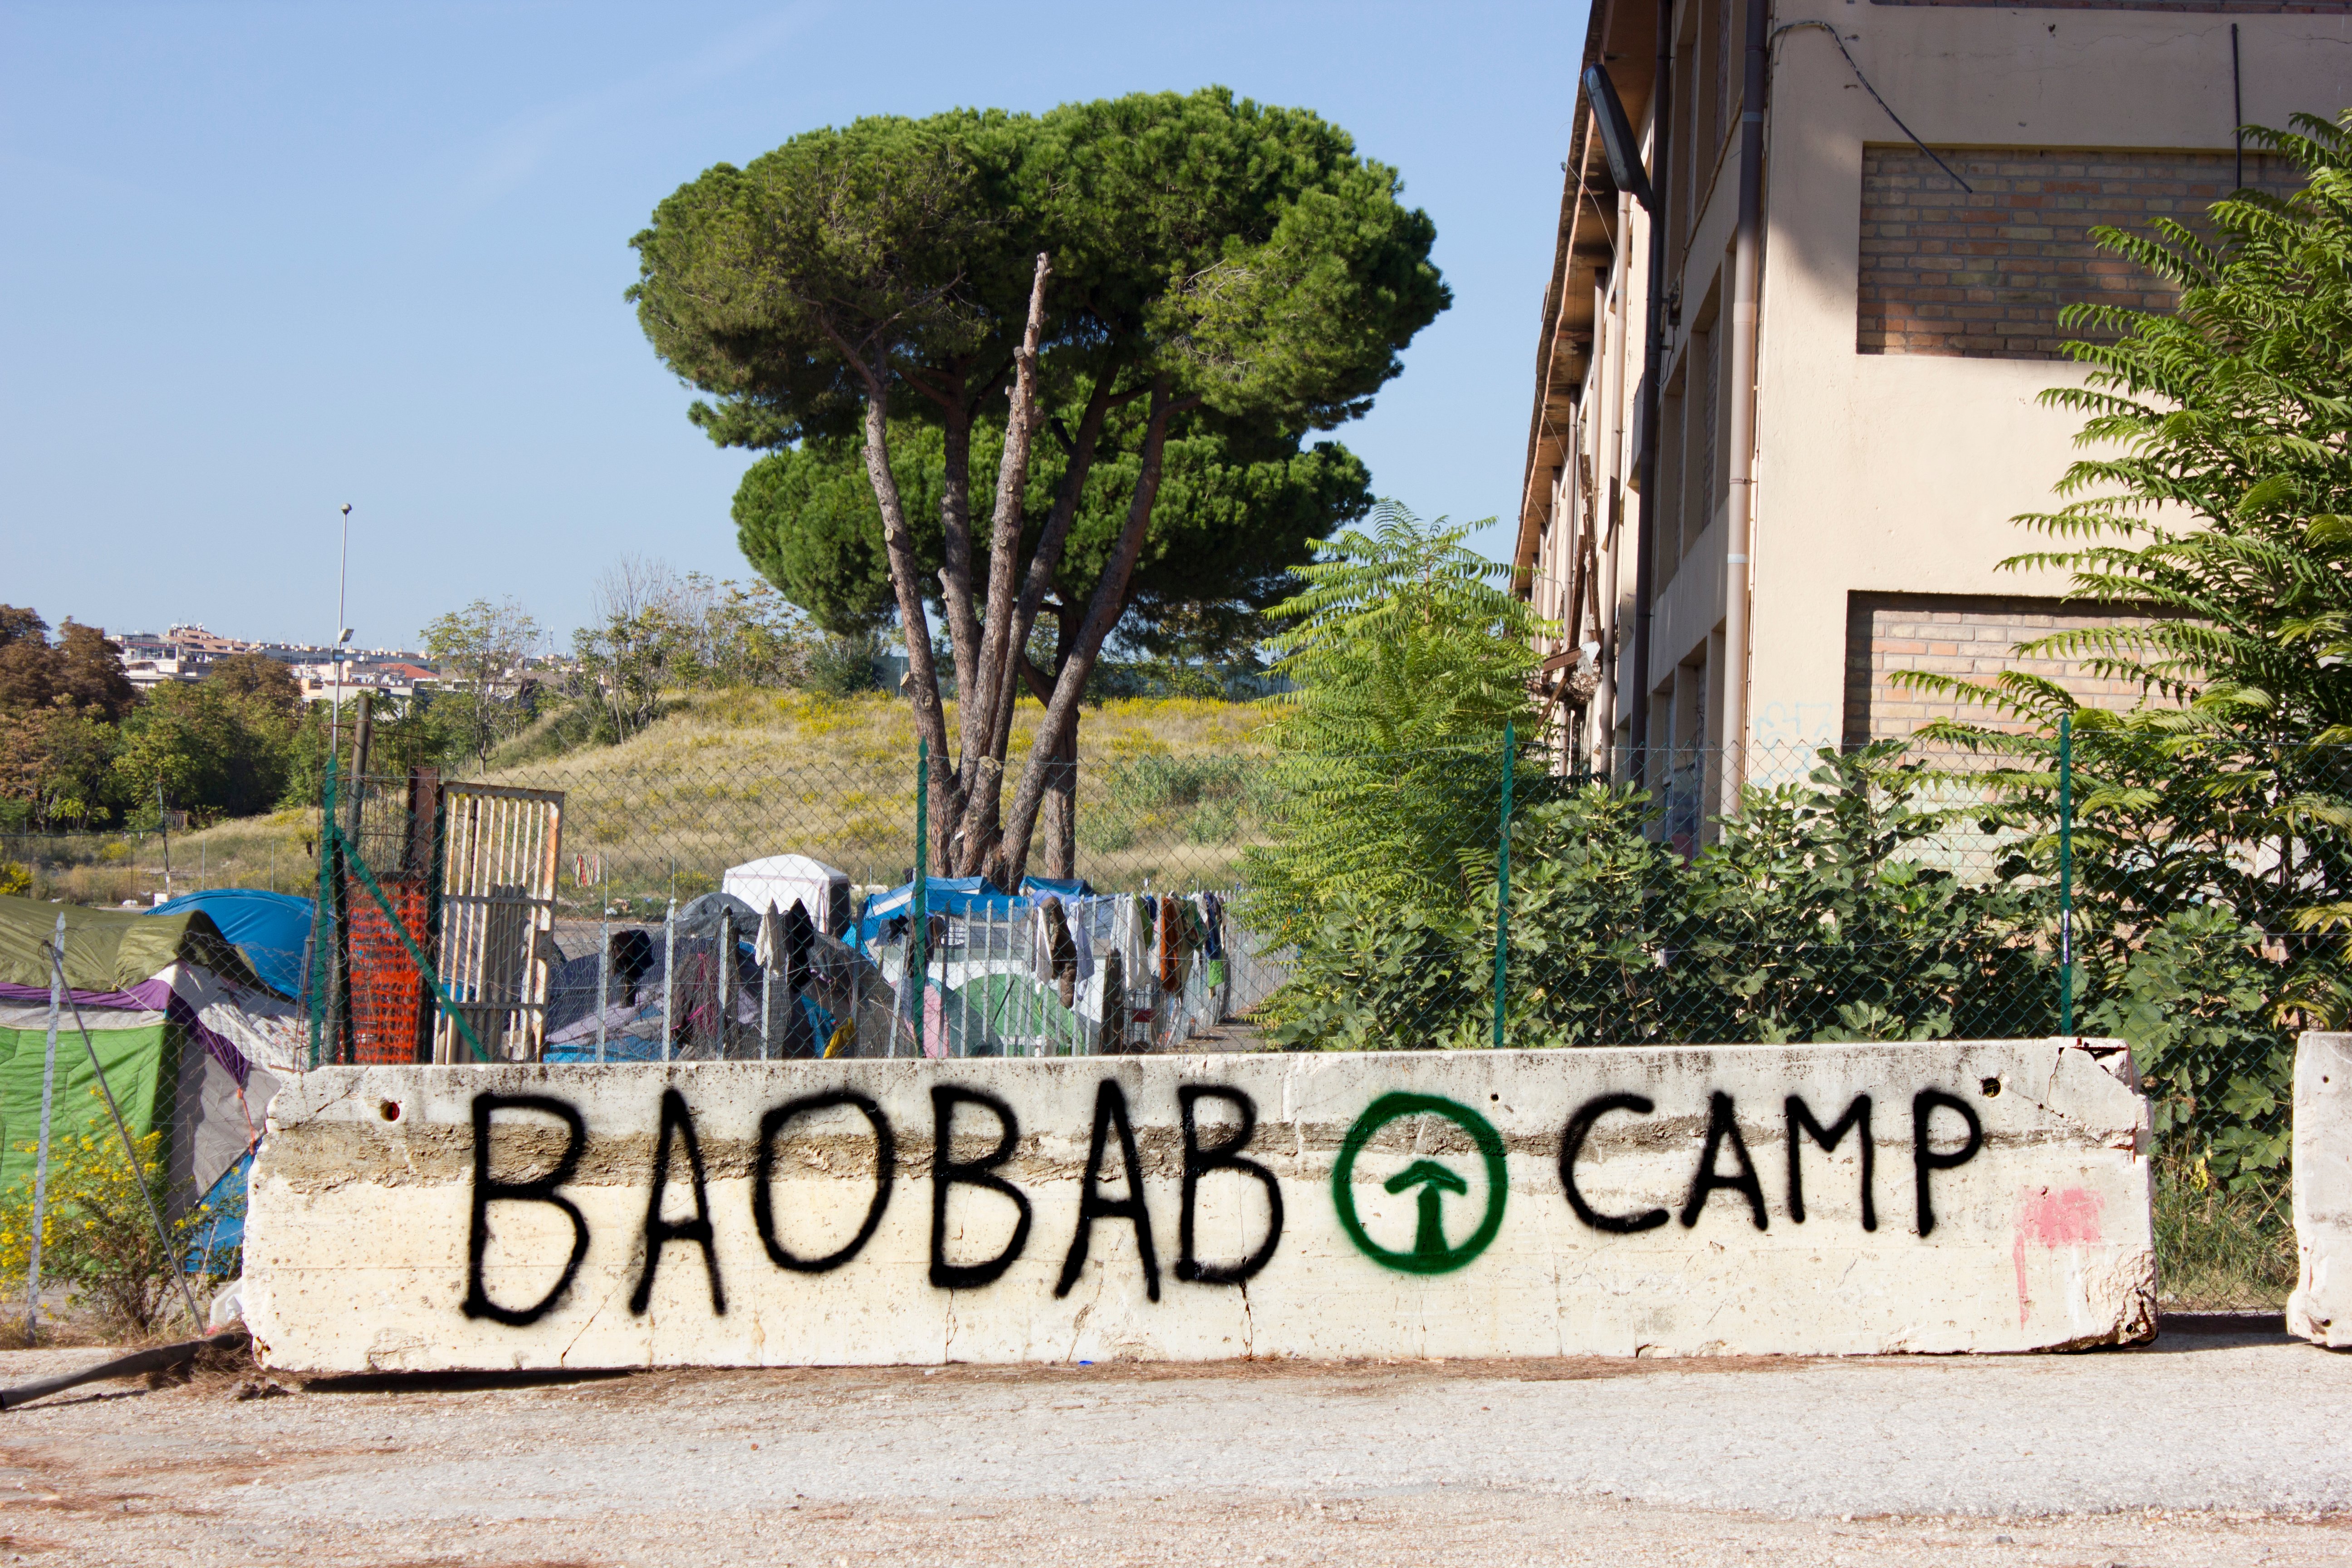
x: 608, y: 908
x: 678, y: 899
x: 133, y: 1097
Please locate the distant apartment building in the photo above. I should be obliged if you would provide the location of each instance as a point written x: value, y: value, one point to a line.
x: 1846, y: 419
x: 151, y: 659
x: 386, y: 676
x: 188, y: 652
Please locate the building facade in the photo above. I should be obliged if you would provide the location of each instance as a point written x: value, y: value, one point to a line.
x: 1852, y: 331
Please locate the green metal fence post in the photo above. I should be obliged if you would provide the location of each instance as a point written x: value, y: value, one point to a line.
x: 319, y: 916
x: 2065, y: 874
x: 1503, y: 880
x: 918, y: 929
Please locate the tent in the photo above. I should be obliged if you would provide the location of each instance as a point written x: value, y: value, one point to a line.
x: 965, y: 897
x: 781, y: 880
x: 192, y: 1042
x: 271, y: 930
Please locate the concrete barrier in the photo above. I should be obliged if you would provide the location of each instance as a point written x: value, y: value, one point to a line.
x: 1819, y: 1199
x: 2320, y: 1309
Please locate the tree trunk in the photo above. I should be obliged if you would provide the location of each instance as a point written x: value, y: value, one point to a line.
x: 955, y: 529
x: 1058, y: 813
x: 899, y: 545
x: 1058, y: 810
x: 982, y: 765
x: 1110, y: 600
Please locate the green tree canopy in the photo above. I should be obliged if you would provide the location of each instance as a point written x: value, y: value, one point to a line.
x: 217, y: 748
x: 1157, y: 267
x: 2211, y: 825
x: 1225, y: 528
x: 483, y: 654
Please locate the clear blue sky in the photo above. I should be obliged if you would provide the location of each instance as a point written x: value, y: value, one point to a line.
x: 262, y: 260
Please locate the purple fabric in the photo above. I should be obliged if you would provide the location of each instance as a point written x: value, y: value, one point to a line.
x: 149, y: 996
x: 223, y: 1052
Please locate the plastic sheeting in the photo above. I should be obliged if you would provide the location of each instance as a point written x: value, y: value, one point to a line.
x: 272, y: 929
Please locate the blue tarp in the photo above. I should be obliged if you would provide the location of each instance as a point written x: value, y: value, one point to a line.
x: 221, y: 1227
x: 271, y: 928
x: 964, y: 896
x: 1056, y: 887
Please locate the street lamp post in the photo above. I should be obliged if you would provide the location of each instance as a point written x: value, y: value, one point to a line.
x: 343, y: 635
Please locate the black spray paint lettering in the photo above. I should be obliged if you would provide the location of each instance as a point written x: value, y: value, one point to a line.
x: 1923, y: 1159
x: 1110, y: 1111
x: 489, y: 1190
x: 947, y: 1172
x: 1226, y: 1156
x: 1801, y: 1125
x: 764, y: 1207
x: 677, y: 1120
x: 1722, y: 1127
x: 1571, y: 1145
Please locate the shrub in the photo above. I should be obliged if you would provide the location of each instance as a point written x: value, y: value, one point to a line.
x: 97, y: 1235
x: 1812, y: 920
x: 843, y: 666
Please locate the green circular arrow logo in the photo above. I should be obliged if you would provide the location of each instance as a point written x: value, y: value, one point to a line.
x: 1430, y: 1254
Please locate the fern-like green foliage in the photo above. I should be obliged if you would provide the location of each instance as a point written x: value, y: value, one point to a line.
x: 2212, y: 823
x: 1411, y: 655
x: 2221, y: 496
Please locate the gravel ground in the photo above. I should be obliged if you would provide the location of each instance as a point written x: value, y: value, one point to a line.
x: 2205, y: 1450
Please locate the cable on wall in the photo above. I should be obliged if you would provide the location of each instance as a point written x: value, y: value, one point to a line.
x: 1832, y: 32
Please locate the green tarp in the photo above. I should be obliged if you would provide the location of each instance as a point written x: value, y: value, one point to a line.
x: 139, y: 1068
x: 110, y: 950
x: 994, y: 1008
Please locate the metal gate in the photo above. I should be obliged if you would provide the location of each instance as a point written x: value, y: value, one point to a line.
x: 497, y: 918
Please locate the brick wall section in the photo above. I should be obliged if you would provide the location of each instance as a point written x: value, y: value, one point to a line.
x: 1984, y: 275
x: 2233, y: 7
x: 1961, y: 635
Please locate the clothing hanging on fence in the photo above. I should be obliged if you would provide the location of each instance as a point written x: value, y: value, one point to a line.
x: 1175, y: 943
x: 1210, y: 911
x: 1053, y: 957
x: 1113, y: 1039
x: 935, y: 1022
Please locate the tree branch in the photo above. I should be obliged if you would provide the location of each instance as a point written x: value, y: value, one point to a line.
x: 1047, y: 559
x: 1109, y: 598
x: 1040, y: 684
x: 992, y: 689
x: 899, y: 547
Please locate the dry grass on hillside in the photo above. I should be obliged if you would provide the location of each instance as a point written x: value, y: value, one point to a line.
x: 742, y: 775
x: 1166, y: 791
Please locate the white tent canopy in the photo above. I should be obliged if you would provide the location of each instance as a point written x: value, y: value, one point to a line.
x: 783, y: 879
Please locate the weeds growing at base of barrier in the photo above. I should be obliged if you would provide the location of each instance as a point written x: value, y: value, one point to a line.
x: 2220, y: 1250
x: 98, y: 1235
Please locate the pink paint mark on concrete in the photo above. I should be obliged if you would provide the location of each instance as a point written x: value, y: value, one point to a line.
x: 2067, y: 1217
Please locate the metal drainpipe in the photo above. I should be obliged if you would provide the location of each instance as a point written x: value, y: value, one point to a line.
x: 1607, y: 699
x: 1746, y: 264
x: 1653, y: 359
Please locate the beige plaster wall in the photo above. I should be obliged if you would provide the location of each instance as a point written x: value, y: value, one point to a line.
x: 1899, y: 473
